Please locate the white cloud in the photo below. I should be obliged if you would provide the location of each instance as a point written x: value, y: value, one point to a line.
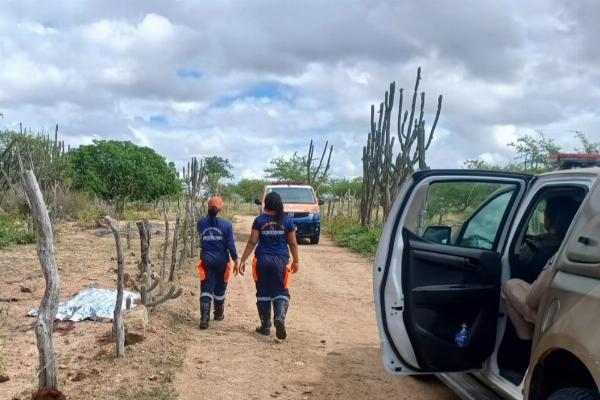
x: 250, y: 81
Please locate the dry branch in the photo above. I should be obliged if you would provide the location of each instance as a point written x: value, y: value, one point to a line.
x: 172, y: 293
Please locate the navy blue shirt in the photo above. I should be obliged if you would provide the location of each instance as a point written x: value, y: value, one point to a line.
x: 218, y: 242
x: 272, y: 238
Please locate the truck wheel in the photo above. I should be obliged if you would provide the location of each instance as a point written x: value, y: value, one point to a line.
x: 315, y: 239
x: 574, y: 394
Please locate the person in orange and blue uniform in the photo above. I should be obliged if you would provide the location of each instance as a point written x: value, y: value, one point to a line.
x: 275, y: 234
x: 217, y: 256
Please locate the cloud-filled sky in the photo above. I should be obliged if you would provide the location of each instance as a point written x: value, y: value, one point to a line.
x: 253, y: 80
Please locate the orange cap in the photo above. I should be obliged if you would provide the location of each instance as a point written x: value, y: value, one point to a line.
x: 216, y: 202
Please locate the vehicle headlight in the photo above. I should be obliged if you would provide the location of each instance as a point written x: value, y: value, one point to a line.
x: 314, y: 214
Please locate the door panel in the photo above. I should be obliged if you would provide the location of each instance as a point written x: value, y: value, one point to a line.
x: 444, y: 288
x: 426, y: 287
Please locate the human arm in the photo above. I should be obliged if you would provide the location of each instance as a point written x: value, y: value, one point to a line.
x: 231, y: 248
x: 252, y: 242
x: 293, y: 244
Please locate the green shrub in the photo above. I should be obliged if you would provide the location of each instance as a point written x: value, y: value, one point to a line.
x: 14, y: 230
x: 349, y: 233
x: 88, y: 216
x: 137, y: 212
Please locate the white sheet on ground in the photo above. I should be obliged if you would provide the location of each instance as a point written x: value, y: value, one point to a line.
x: 90, y: 303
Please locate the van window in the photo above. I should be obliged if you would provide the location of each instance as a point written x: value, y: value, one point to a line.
x: 295, y: 195
x: 464, y: 214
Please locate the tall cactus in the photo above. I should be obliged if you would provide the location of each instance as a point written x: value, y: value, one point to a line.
x: 193, y: 178
x: 384, y: 172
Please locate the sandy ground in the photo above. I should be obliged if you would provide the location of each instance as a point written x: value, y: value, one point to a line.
x: 332, y: 351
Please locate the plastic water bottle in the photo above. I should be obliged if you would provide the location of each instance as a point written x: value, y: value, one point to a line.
x: 462, y: 336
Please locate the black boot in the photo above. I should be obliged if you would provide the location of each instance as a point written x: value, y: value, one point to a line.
x: 219, y: 310
x: 204, y: 314
x: 264, y: 312
x: 280, y: 307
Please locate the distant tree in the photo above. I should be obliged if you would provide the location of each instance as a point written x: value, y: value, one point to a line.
x: 248, y: 189
x: 342, y: 186
x: 122, y: 171
x: 456, y: 198
x: 215, y: 170
x: 533, y: 151
x: 588, y: 147
x: 486, y: 166
x: 481, y: 165
x: 287, y: 168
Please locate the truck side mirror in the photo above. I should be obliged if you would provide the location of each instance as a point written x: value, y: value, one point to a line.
x: 438, y: 234
x: 257, y: 201
x: 321, y: 201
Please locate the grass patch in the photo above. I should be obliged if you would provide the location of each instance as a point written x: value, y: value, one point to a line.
x: 350, y: 234
x: 14, y: 230
x: 179, y: 320
x: 155, y: 392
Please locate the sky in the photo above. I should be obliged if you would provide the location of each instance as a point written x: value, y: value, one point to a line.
x: 252, y: 80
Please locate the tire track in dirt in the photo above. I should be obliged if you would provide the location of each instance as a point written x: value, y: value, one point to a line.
x: 332, y: 351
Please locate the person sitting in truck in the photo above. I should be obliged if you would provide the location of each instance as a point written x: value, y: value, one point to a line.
x: 522, y: 298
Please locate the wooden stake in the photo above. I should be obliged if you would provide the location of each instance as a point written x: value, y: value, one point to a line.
x: 175, y: 243
x: 163, y: 270
x: 128, y: 235
x: 118, y: 326
x: 48, y: 373
x: 143, y: 228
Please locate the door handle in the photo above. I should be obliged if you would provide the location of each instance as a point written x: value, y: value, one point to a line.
x: 472, y: 264
x: 584, y: 240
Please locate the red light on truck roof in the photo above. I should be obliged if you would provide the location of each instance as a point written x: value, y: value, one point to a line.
x: 574, y: 160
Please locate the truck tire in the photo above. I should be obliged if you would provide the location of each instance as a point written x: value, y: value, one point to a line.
x: 315, y: 239
x: 574, y: 393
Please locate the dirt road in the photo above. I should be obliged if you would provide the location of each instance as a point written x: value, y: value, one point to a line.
x: 332, y: 351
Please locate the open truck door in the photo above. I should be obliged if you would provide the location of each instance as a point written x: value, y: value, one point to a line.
x: 437, y: 272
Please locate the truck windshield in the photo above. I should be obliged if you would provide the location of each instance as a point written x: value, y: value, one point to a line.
x: 293, y: 195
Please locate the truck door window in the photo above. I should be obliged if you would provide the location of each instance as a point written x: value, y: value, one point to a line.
x: 536, y: 223
x: 465, y: 214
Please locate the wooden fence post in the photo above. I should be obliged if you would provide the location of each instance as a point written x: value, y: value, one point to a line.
x: 128, y: 235
x: 145, y: 260
x: 48, y: 373
x: 118, y: 326
x: 175, y: 244
x: 163, y: 270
